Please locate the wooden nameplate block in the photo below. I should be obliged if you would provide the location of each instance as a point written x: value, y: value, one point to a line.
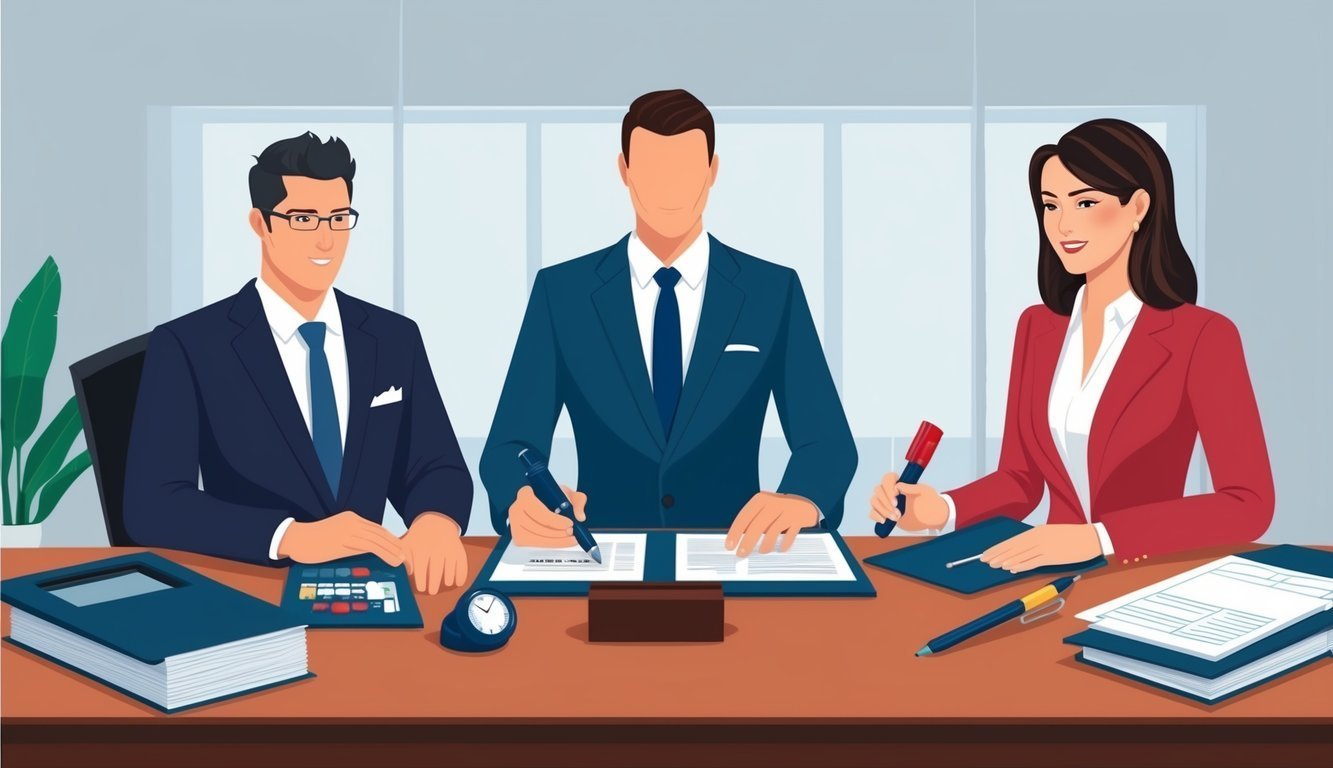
x: 650, y: 612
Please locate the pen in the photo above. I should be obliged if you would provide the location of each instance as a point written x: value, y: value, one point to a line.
x: 548, y: 491
x: 923, y: 446
x: 964, y: 560
x: 998, y: 616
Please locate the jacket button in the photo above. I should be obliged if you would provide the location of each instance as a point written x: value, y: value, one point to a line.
x: 668, y: 501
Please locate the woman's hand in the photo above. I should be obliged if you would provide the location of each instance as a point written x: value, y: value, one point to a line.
x: 1045, y: 545
x: 925, y: 509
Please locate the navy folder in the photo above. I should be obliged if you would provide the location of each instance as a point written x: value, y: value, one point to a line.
x: 1303, y: 559
x: 170, y: 611
x: 926, y: 561
x: 660, y: 566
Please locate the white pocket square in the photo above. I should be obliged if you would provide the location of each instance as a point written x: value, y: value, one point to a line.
x: 741, y: 348
x: 390, y: 395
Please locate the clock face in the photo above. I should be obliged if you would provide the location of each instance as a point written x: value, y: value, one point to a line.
x: 488, y: 613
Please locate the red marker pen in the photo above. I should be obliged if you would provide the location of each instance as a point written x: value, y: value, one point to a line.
x: 923, y: 446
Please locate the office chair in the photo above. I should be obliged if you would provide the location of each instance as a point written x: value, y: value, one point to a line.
x: 107, y: 386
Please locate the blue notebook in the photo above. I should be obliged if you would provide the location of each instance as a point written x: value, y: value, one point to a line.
x: 925, y: 561
x: 660, y: 566
x: 1303, y: 559
x: 125, y: 616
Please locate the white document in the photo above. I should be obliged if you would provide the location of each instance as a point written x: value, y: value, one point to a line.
x: 1215, y: 609
x: 812, y: 557
x: 623, y: 556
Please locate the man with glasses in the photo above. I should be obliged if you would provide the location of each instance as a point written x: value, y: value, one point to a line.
x: 300, y: 408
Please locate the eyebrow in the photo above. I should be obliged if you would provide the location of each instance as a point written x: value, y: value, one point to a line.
x: 335, y: 210
x: 1048, y: 194
x: 301, y: 210
x: 1081, y: 191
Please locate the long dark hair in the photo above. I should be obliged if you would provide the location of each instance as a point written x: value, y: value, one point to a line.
x: 1118, y: 158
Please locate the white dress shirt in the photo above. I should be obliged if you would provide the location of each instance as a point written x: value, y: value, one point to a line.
x: 1074, y: 398
x: 285, y: 323
x: 693, y: 268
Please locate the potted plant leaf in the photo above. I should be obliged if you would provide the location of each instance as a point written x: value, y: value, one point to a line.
x: 35, y: 480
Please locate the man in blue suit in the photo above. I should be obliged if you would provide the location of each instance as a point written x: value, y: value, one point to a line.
x: 665, y: 348
x: 301, y: 408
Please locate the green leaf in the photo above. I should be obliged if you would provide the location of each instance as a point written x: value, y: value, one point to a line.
x: 26, y: 350
x: 53, y: 490
x: 48, y: 452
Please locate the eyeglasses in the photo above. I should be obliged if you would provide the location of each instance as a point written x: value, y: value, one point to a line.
x: 308, y: 222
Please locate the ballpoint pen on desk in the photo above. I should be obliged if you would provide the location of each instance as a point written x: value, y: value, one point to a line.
x: 1000, y: 615
x: 549, y: 493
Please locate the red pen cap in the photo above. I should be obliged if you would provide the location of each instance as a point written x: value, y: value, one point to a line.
x: 924, y: 444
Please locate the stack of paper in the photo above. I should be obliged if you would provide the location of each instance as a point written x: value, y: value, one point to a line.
x: 181, y: 680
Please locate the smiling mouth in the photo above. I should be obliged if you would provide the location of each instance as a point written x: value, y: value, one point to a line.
x: 322, y: 262
x: 1073, y: 246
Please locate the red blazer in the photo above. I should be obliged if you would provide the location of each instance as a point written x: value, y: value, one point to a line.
x: 1181, y: 373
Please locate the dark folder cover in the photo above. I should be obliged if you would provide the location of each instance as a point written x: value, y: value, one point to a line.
x: 926, y: 561
x: 1303, y: 559
x: 195, y: 613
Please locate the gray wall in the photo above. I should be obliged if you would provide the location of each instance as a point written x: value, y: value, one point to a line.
x: 79, y: 79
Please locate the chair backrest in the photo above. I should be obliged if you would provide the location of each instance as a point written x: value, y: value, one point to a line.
x: 107, y: 386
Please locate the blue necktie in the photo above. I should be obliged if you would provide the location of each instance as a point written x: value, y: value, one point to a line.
x: 667, y: 366
x: 324, y: 429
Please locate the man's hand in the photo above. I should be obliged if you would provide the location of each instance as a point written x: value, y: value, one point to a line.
x: 925, y: 508
x: 531, y: 524
x: 1045, y: 545
x: 434, y: 554
x: 341, y: 535
x: 766, y: 516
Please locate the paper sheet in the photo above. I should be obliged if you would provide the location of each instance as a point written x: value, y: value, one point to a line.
x: 1215, y: 609
x: 813, y: 557
x: 623, y: 557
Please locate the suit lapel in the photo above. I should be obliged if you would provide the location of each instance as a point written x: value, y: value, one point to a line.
x: 259, y: 354
x: 1046, y: 345
x: 614, y: 302
x: 717, y: 318
x: 362, y: 355
x: 1140, y: 359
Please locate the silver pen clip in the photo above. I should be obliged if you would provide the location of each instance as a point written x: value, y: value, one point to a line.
x: 1042, y: 611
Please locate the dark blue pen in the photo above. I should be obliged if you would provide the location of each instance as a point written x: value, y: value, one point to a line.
x: 548, y: 491
x: 923, y: 446
x: 998, y: 616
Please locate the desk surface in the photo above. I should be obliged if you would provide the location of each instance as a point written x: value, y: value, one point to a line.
x: 843, y: 666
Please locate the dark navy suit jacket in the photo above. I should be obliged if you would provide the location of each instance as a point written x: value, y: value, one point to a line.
x: 579, y: 349
x: 215, y: 401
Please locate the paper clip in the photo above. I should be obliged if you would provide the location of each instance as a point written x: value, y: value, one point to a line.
x: 1041, y: 611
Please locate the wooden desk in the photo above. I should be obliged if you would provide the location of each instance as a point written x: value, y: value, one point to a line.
x: 796, y: 682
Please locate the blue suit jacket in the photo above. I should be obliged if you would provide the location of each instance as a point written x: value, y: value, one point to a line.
x: 579, y: 349
x: 215, y: 399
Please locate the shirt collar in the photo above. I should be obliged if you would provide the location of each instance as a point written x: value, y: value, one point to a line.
x: 1123, y: 310
x: 285, y: 320
x: 692, y: 264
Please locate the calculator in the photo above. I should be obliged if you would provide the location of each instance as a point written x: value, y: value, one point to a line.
x: 359, y: 591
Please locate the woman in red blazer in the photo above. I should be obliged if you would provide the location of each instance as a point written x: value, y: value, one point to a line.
x: 1113, y: 376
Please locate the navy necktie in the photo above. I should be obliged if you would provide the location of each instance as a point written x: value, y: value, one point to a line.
x: 324, y: 429
x: 667, y: 367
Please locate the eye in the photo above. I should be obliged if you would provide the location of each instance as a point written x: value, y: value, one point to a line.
x: 1049, y: 206
x: 303, y: 219
x: 1086, y: 203
x: 339, y: 218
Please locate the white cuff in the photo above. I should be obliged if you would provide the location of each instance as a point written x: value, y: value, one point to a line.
x: 953, y: 515
x: 277, y: 538
x: 1104, y: 538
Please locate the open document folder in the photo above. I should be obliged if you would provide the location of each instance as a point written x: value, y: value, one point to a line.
x: 818, y: 563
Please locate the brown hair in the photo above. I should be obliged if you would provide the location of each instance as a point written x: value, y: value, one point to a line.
x: 1118, y: 158
x: 667, y: 113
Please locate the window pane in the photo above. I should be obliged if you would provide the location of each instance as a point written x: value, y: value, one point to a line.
x: 907, y: 278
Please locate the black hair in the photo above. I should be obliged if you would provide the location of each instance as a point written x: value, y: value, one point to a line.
x: 303, y: 155
x: 1118, y: 158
